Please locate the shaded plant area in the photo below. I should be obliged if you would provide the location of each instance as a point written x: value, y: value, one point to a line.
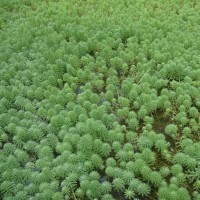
x: 99, y: 100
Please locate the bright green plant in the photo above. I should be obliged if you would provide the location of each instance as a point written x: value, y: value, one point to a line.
x: 105, y: 110
x: 118, y: 184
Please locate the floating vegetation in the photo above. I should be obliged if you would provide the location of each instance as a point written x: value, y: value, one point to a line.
x: 99, y: 100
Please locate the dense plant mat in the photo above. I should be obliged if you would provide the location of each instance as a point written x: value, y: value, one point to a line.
x: 99, y: 99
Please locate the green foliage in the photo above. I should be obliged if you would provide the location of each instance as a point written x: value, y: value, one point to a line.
x: 122, y: 155
x: 161, y: 145
x: 131, y: 136
x: 107, y: 197
x: 145, y: 142
x: 129, y: 194
x: 111, y: 162
x: 148, y: 156
x: 127, y: 176
x: 146, y: 172
x: 96, y: 161
x: 106, y: 187
x: 176, y: 169
x: 171, y: 130
x: 105, y: 110
x: 155, y: 178
x: 79, y: 193
x: 143, y: 189
x: 7, y: 187
x: 94, y: 175
x: 163, y: 193
x: 164, y: 171
x: 85, y: 144
x: 133, y: 124
x: 118, y: 184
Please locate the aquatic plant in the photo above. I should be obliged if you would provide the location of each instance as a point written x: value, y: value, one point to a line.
x: 99, y: 100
